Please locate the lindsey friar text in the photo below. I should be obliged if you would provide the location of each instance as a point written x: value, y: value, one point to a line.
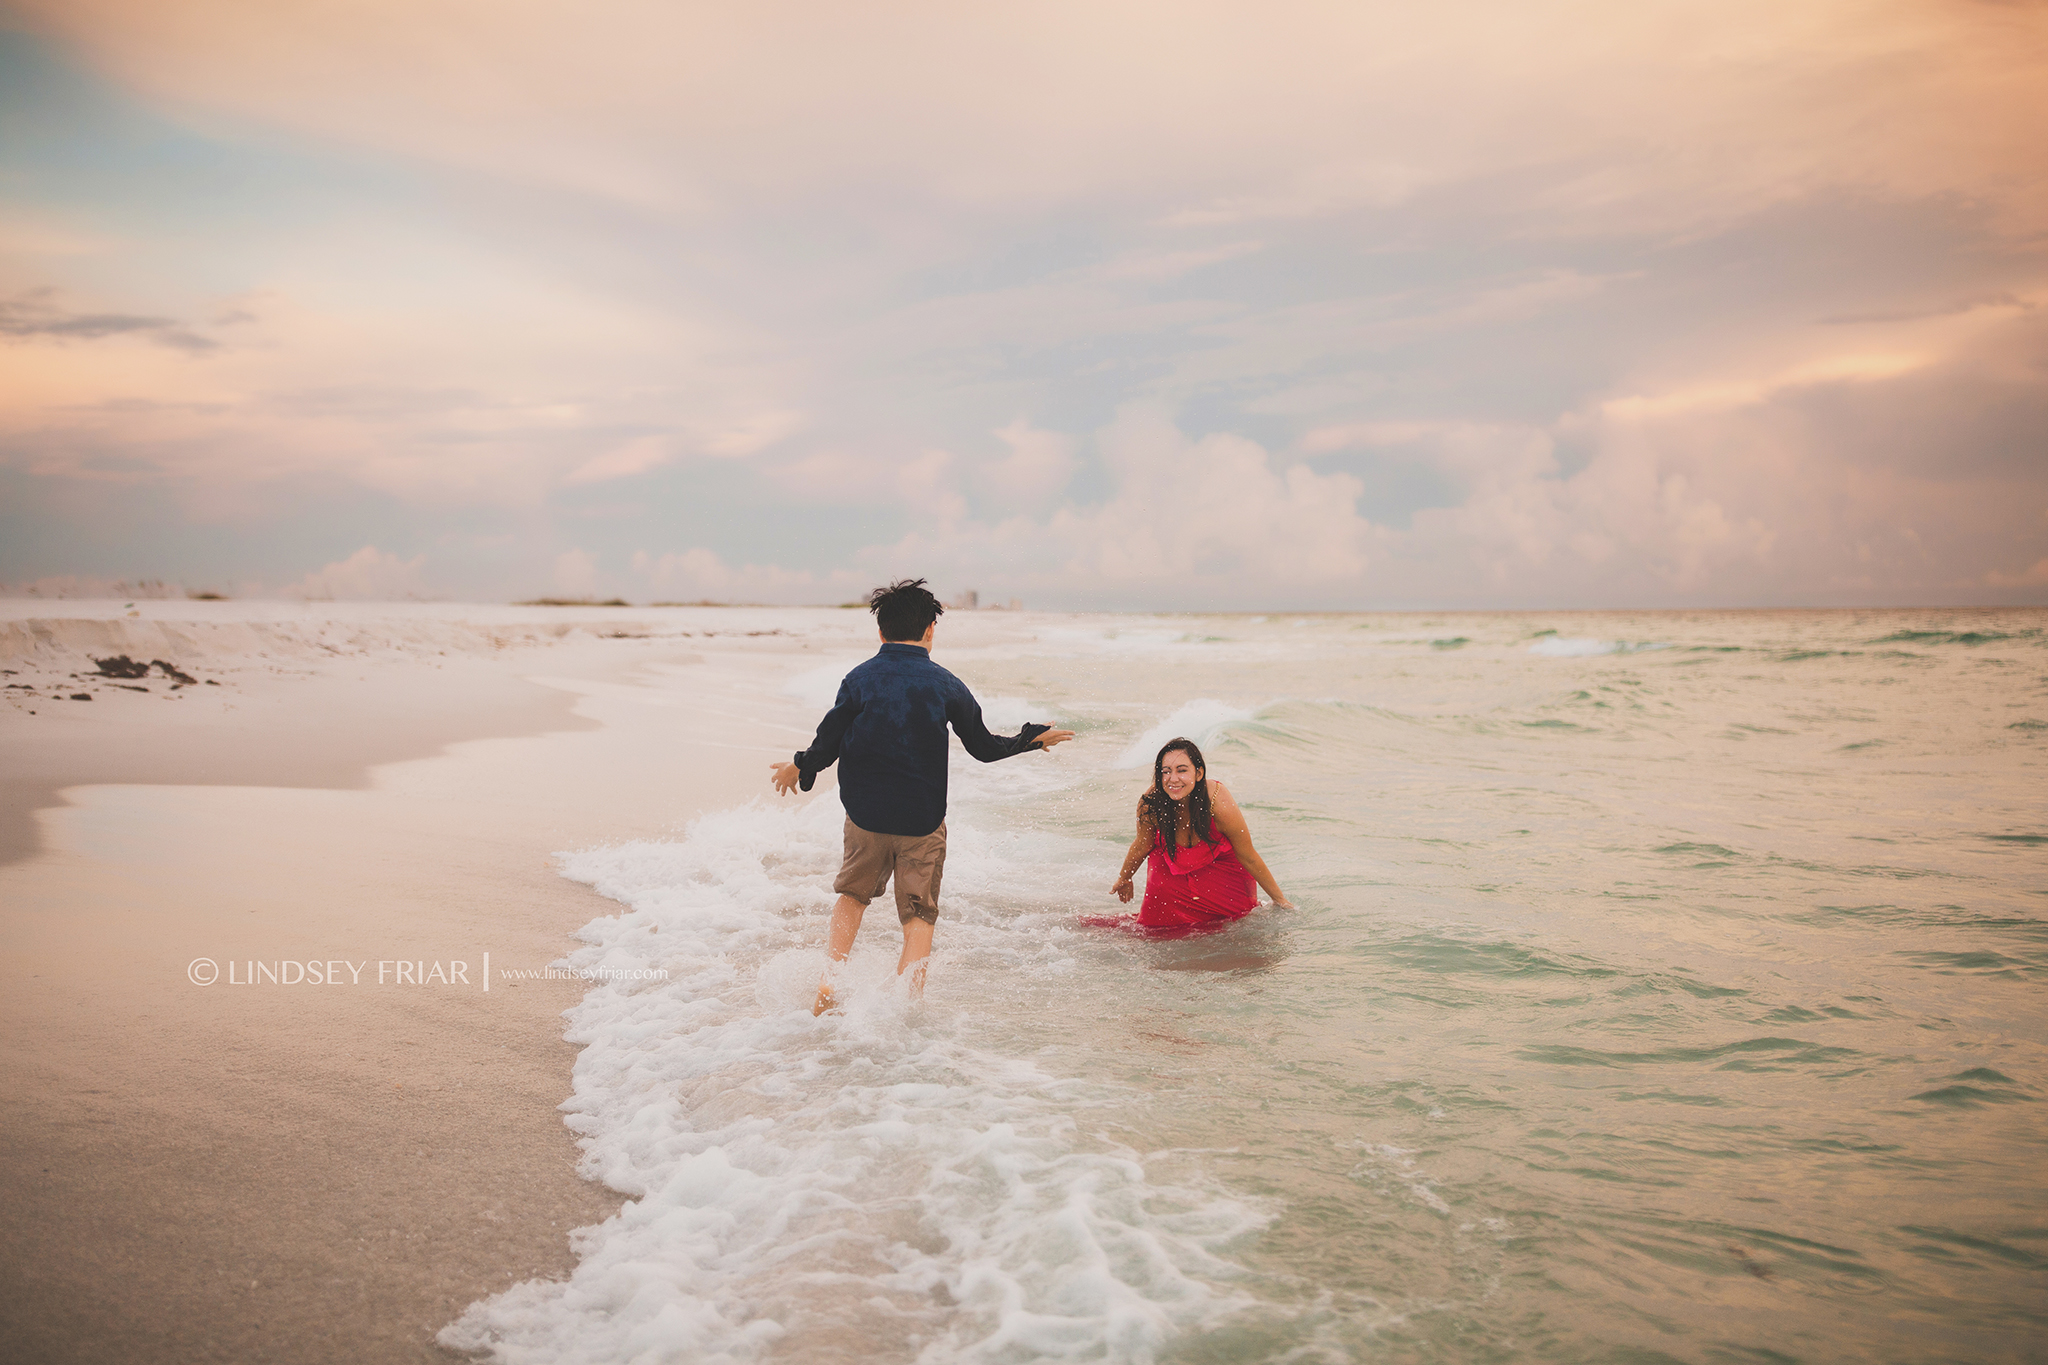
x: 205, y: 971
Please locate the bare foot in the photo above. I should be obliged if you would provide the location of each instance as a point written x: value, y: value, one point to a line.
x: 825, y: 1002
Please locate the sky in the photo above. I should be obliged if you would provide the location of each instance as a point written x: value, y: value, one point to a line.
x: 1156, y: 306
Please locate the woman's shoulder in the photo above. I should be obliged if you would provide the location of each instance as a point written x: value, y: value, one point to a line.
x: 1217, y: 791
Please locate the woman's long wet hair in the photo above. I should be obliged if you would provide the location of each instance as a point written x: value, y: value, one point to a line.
x: 1164, y: 812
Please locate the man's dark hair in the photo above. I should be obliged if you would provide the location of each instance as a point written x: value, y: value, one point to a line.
x: 904, y: 609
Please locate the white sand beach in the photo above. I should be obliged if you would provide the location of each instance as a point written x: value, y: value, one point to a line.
x: 301, y: 1172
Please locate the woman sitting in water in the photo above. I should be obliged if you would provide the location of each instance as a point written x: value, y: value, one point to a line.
x: 1201, y: 860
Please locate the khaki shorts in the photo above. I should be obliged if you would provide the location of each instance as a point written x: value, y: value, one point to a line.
x: 915, y: 862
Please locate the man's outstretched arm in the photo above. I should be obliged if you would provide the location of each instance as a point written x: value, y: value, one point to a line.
x: 965, y: 714
x: 804, y: 768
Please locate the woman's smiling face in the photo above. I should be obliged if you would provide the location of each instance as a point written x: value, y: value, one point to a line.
x: 1178, y: 774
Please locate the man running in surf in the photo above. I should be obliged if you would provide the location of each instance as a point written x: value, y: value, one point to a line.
x: 887, y: 731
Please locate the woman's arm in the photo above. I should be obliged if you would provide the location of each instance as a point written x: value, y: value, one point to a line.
x: 1230, y: 820
x: 1140, y: 847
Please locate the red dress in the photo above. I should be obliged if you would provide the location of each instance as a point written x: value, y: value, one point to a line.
x: 1197, y: 885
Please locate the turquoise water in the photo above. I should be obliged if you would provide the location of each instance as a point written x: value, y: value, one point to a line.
x: 1663, y: 986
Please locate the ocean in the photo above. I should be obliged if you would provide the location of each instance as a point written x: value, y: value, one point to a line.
x: 1660, y: 987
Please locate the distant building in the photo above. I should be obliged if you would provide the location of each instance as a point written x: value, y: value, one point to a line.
x: 970, y: 600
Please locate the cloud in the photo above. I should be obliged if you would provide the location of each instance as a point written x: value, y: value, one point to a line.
x: 636, y: 456
x: 1190, y: 522
x: 749, y: 435
x: 1570, y: 302
x: 641, y: 454
x: 700, y: 574
x: 1036, y: 469
x: 1717, y: 396
x: 413, y: 399
x: 2004, y: 299
x: 1260, y: 346
x: 2034, y: 577
x: 1171, y: 265
x: 367, y: 575
x: 925, y: 485
x: 1214, y: 508
x: 1631, y: 112
x: 1675, y: 504
x: 35, y: 314
x: 1851, y: 482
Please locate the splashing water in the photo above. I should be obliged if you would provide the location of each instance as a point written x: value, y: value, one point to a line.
x: 1675, y: 1004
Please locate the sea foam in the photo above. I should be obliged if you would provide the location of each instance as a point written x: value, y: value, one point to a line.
x: 878, y: 1184
x: 1200, y: 720
x: 1569, y: 647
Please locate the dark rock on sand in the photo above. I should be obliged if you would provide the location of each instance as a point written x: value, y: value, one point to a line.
x: 81, y: 696
x: 121, y: 666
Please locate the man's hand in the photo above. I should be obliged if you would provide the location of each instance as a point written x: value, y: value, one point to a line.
x: 786, y: 776
x: 1052, y: 737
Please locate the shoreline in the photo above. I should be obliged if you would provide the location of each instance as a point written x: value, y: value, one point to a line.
x: 265, y: 741
x: 333, y: 1172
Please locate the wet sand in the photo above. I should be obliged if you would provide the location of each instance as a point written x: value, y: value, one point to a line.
x: 318, y: 732
x: 319, y: 1172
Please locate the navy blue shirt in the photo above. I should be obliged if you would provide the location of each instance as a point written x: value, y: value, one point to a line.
x: 889, y: 728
